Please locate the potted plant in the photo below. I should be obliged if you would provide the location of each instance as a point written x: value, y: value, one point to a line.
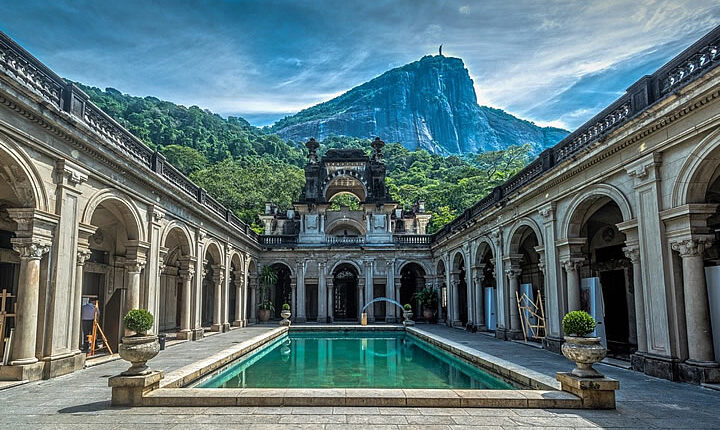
x: 140, y: 347
x: 428, y: 300
x: 407, y: 314
x: 584, y: 351
x: 268, y: 278
x: 285, y: 314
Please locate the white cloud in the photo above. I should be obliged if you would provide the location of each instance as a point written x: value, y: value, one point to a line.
x: 465, y: 10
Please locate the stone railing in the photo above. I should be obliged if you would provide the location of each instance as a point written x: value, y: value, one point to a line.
x: 692, y: 63
x: 278, y: 240
x: 412, y: 239
x: 23, y: 68
x: 345, y: 240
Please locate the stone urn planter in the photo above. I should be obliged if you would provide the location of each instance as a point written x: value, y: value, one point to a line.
x: 407, y: 315
x: 285, y: 314
x: 584, y: 351
x: 138, y: 350
x: 263, y: 315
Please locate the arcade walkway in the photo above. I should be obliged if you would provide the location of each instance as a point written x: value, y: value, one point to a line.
x: 81, y: 400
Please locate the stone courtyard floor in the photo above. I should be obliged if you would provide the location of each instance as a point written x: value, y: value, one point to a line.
x: 82, y: 400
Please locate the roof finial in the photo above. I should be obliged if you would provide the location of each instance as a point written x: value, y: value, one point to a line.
x: 440, y: 50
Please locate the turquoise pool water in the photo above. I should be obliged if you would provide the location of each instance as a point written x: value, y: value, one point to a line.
x: 335, y: 359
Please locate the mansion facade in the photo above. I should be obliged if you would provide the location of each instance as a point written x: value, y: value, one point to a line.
x: 620, y: 218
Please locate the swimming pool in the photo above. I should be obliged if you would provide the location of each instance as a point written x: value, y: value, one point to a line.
x: 351, y: 359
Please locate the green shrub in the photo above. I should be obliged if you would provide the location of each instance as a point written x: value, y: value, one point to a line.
x: 286, y: 307
x: 578, y: 323
x: 407, y: 307
x: 427, y: 297
x: 138, y: 320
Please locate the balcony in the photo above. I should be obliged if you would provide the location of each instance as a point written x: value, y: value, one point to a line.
x: 412, y: 239
x: 345, y: 240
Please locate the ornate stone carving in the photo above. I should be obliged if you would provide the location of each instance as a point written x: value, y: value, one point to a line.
x: 134, y: 266
x: 513, y: 272
x: 691, y: 247
x: 541, y: 264
x: 633, y: 253
x: 571, y: 264
x: 31, y: 250
x: 83, y: 255
x: 546, y: 212
x: 187, y: 272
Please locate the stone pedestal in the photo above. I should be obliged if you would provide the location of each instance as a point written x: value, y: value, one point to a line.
x: 22, y: 372
x: 595, y: 393
x: 128, y: 390
x: 699, y: 372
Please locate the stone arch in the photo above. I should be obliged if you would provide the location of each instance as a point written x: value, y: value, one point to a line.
x: 125, y: 207
x: 21, y: 174
x: 513, y: 244
x: 421, y: 263
x: 583, y: 205
x: 184, y: 231
x: 345, y: 261
x: 360, y: 227
x: 456, y: 261
x: 284, y: 263
x: 357, y: 184
x: 484, y: 246
x: 698, y: 172
x: 213, y: 248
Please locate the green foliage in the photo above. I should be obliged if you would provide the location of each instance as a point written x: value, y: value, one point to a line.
x: 578, y: 323
x: 138, y: 320
x: 244, y: 166
x: 286, y: 307
x: 427, y: 297
x: 407, y: 307
x: 340, y: 200
x: 266, y: 305
x: 268, y: 278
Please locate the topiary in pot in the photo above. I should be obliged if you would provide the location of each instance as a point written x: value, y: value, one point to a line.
x: 139, y: 348
x: 285, y: 314
x: 407, y: 314
x: 584, y: 351
x: 139, y: 321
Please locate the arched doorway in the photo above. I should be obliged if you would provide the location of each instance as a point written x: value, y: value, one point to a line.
x: 459, y: 293
x: 606, y: 274
x: 486, y: 288
x: 172, y: 295
x: 236, y: 290
x: 345, y: 292
x: 252, y: 301
x: 112, y: 276
x: 281, y: 292
x: 442, y: 286
x: 523, y: 274
x: 212, y: 288
x: 412, y: 280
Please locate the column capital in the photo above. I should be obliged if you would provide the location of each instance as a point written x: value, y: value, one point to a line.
x: 633, y: 253
x: 513, y: 272
x: 83, y: 255
x: 541, y: 264
x: 134, y: 266
x: 691, y: 247
x: 30, y: 250
x: 187, y: 272
x: 572, y: 264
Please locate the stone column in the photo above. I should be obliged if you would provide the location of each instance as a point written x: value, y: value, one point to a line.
x: 396, y: 310
x: 253, y: 299
x: 322, y: 294
x: 455, y: 308
x: 218, y: 280
x: 133, y: 269
x: 360, y: 298
x: 293, y: 298
x: 300, y: 305
x: 187, y: 272
x: 633, y: 253
x: 513, y: 274
x: 369, y: 294
x: 330, y: 299
x: 697, y: 311
x: 479, y: 294
x: 239, y: 299
x: 83, y: 255
x: 390, y: 290
x: 438, y: 284
x: 572, y: 270
x: 26, y: 321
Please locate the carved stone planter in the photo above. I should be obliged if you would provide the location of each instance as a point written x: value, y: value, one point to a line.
x: 286, y: 318
x: 263, y: 315
x: 584, y: 351
x: 407, y: 315
x: 138, y: 350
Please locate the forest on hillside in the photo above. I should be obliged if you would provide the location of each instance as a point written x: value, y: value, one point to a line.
x: 243, y: 166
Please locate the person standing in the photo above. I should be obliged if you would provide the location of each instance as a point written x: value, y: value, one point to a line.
x: 87, y: 315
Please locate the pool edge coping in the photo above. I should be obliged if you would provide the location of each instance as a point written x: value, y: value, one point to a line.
x: 172, y: 389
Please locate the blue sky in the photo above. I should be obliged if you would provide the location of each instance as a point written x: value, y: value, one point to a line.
x: 555, y: 63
